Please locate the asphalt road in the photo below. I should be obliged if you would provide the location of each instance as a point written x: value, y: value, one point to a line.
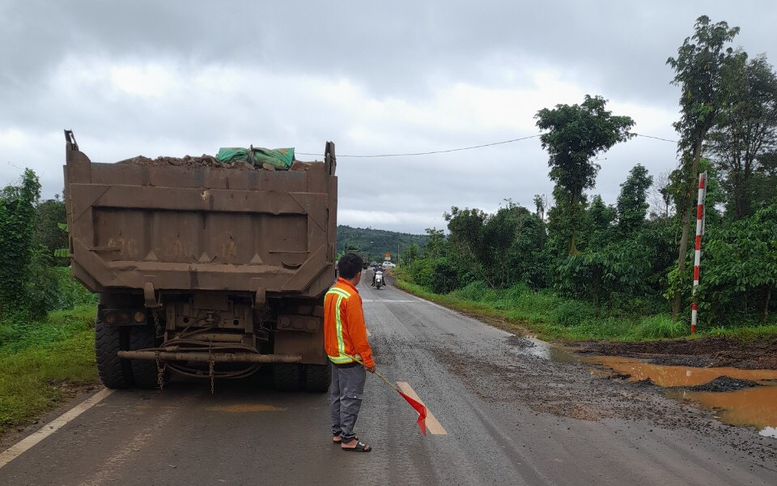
x: 507, y: 416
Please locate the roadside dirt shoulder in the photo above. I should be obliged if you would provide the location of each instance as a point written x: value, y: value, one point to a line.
x: 704, y: 352
x: 70, y: 395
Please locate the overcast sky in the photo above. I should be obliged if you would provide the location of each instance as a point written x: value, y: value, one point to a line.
x: 187, y: 77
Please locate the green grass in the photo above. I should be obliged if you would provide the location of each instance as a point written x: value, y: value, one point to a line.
x: 40, y: 360
x: 521, y: 310
x: 743, y: 333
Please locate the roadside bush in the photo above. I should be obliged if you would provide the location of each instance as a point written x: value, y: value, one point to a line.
x: 71, y: 293
x: 444, y: 276
x: 42, y: 286
x: 739, y: 274
x: 661, y: 326
x: 475, y: 291
x: 531, y: 304
x: 572, y: 312
x: 49, y: 288
x: 517, y: 292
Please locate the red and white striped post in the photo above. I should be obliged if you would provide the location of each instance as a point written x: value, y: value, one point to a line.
x: 697, y: 253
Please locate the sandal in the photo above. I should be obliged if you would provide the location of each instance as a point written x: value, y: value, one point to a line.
x: 339, y: 440
x: 360, y: 447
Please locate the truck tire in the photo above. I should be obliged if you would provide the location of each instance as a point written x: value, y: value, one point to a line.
x: 144, y: 371
x: 287, y: 377
x: 318, y: 378
x: 114, y: 372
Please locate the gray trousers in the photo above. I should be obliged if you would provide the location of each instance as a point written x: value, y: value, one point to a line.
x: 345, y: 398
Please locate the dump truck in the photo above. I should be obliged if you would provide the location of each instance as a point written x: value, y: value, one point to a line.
x: 203, y: 269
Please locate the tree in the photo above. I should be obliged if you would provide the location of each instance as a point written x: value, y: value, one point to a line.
x: 17, y: 230
x: 747, y: 128
x: 411, y: 254
x: 539, y: 203
x: 50, y: 214
x: 742, y: 272
x: 765, y: 182
x: 575, y: 136
x: 699, y: 73
x: 632, y: 202
x: 435, y: 245
x: 660, y: 197
x: 599, y: 219
x: 466, y: 239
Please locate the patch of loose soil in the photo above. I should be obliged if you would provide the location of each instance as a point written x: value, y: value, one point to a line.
x: 705, y: 352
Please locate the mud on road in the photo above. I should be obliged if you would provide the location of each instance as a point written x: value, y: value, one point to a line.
x: 567, y: 386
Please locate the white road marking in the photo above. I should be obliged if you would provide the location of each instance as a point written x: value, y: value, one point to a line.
x: 25, y: 444
x: 431, y: 422
x: 399, y: 301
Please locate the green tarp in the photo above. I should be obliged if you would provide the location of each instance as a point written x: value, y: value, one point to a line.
x: 281, y: 159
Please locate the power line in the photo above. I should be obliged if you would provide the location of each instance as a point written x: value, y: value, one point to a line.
x: 447, y: 151
x: 655, y: 138
x: 415, y: 154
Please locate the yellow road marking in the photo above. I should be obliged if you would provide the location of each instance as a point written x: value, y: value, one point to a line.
x: 431, y: 422
x: 244, y: 408
x: 25, y: 444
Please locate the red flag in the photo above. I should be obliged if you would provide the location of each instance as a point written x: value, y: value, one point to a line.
x: 420, y: 408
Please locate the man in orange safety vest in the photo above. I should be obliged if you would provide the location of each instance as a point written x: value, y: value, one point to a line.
x: 345, y: 342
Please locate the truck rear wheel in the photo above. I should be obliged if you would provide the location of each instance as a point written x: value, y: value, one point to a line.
x: 114, y: 372
x: 287, y: 377
x: 318, y: 378
x: 144, y: 371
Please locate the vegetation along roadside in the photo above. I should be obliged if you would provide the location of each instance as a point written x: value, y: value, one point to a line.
x: 46, y: 318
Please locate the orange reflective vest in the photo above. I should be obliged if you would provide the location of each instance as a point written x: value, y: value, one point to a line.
x: 345, y: 333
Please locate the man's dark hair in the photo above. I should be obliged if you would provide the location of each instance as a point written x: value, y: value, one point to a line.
x: 349, y: 265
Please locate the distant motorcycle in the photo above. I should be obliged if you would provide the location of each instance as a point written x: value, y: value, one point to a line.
x: 379, y: 279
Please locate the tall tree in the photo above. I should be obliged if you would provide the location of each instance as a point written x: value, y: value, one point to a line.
x: 599, y: 221
x: 765, y: 182
x: 466, y: 239
x: 747, y: 128
x: 698, y: 68
x: 575, y: 136
x: 539, y: 203
x: 17, y: 232
x: 632, y: 202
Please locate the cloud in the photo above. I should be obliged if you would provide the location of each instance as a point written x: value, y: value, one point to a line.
x: 176, y: 77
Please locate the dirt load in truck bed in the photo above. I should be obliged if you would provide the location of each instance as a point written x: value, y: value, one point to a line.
x: 205, y: 161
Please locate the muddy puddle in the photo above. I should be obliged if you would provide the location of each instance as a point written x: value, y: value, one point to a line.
x: 536, y: 347
x: 738, y: 397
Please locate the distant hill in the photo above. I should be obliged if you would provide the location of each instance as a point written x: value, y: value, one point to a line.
x: 376, y: 243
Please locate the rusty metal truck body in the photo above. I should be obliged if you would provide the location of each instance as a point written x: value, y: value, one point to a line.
x: 208, y: 271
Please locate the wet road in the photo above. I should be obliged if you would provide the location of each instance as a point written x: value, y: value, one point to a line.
x: 462, y: 369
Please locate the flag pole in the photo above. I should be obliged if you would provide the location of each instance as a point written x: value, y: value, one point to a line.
x: 417, y: 406
x: 374, y: 372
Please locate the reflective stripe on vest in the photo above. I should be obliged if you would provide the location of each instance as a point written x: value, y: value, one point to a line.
x: 342, y: 358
